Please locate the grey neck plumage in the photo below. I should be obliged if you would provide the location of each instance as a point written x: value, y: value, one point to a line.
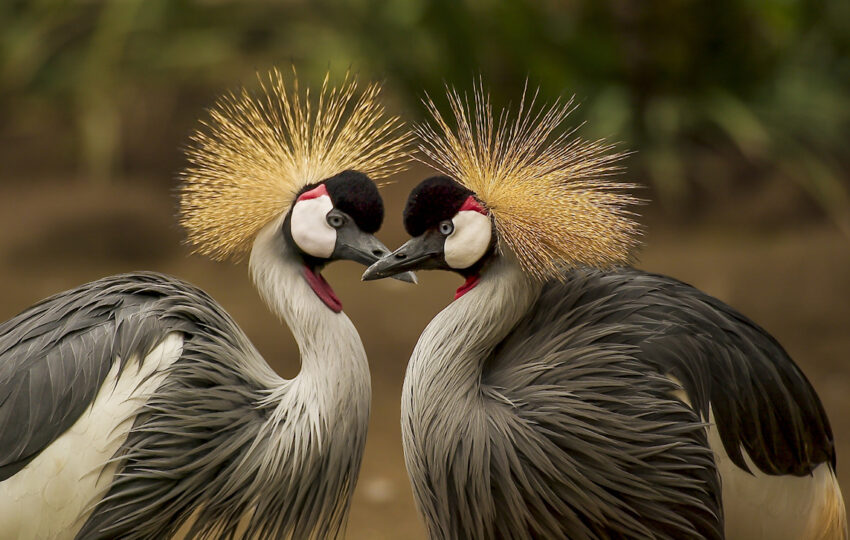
x: 442, y: 396
x: 451, y: 351
x: 314, y: 438
x: 331, y: 351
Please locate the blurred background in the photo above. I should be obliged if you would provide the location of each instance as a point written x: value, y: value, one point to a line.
x: 738, y: 113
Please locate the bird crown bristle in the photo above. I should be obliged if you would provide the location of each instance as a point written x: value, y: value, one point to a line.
x: 550, y: 193
x: 256, y: 150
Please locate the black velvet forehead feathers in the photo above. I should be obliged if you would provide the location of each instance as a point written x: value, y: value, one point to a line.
x: 357, y: 195
x: 435, y: 199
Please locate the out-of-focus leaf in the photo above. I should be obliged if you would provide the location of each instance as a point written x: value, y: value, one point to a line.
x: 823, y: 183
x: 608, y: 114
x: 739, y: 123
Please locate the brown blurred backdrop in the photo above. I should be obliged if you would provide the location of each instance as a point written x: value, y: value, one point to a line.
x: 738, y: 113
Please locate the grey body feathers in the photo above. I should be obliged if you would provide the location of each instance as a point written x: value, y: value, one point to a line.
x: 550, y: 411
x: 205, y: 443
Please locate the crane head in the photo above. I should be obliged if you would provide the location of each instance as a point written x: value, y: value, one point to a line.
x: 546, y: 195
x: 336, y: 220
x: 451, y: 230
x: 260, y: 150
x: 281, y: 154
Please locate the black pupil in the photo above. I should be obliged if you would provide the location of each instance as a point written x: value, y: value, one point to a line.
x: 445, y: 227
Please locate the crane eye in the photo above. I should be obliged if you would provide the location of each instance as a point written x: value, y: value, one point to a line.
x: 447, y: 227
x: 335, y: 220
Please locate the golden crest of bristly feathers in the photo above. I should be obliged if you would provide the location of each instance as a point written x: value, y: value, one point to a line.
x: 548, y: 191
x: 257, y: 150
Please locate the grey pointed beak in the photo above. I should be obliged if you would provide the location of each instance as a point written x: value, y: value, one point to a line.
x: 355, y: 245
x: 421, y: 253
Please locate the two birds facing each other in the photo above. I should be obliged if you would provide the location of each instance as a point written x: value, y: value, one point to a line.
x: 563, y: 393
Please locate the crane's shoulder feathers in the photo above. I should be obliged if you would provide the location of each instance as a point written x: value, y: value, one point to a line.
x: 206, y: 436
x: 727, y: 364
x: 603, y: 443
x: 55, y: 355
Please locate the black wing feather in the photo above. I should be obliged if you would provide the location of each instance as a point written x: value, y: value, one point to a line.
x: 760, y: 398
x: 593, y: 359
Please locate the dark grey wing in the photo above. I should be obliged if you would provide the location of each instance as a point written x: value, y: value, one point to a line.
x: 186, y: 454
x: 189, y: 441
x: 189, y: 453
x: 55, y: 355
x: 760, y: 398
x: 593, y: 443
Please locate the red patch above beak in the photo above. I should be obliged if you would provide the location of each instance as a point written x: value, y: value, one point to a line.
x: 467, y: 286
x: 314, y: 193
x: 472, y: 204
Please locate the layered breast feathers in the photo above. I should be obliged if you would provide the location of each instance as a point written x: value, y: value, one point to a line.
x: 575, y: 368
x: 597, y: 446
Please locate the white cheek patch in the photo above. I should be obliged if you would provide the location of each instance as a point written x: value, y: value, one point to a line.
x: 310, y: 229
x: 470, y: 239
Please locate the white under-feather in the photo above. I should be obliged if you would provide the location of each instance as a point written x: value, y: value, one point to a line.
x: 759, y: 506
x: 53, y: 495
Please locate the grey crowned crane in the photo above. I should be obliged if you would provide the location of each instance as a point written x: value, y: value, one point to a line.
x: 564, y: 394
x: 134, y: 405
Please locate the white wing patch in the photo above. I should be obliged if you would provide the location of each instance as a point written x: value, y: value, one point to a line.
x: 54, y: 494
x: 310, y: 229
x: 784, y: 507
x: 761, y: 506
x: 470, y: 239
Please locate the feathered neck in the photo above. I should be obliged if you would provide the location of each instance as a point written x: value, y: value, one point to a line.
x: 452, y: 349
x: 329, y: 343
x: 315, y: 434
x: 442, y: 395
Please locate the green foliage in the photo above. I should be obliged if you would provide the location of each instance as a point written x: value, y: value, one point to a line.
x: 712, y: 95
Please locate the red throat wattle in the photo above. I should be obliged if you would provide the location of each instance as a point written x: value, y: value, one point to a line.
x: 323, y: 290
x: 467, y: 286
